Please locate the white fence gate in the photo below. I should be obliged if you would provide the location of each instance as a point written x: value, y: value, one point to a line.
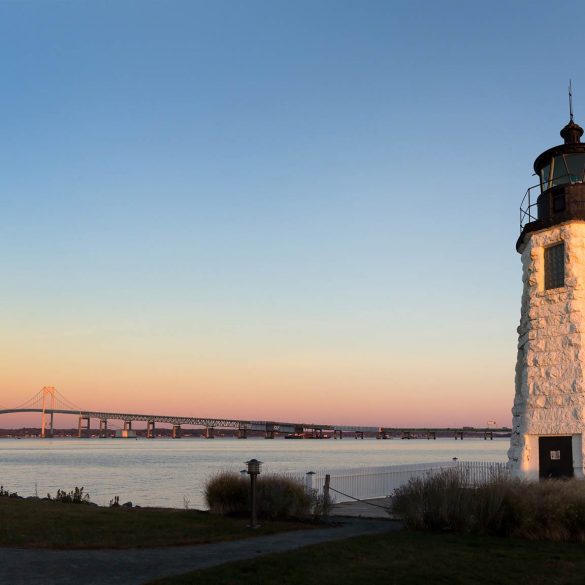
x: 378, y: 482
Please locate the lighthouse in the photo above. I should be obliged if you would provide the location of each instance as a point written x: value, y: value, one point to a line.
x: 549, y: 404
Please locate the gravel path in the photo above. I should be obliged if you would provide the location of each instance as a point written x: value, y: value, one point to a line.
x: 138, y: 566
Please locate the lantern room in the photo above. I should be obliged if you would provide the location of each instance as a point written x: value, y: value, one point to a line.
x: 560, y: 193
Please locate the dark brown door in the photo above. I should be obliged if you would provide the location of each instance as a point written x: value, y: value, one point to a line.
x: 556, y: 456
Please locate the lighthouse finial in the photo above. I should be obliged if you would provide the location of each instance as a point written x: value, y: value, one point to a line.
x: 572, y: 132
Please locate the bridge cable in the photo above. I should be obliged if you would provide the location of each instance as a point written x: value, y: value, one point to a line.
x: 63, y: 401
x: 35, y: 401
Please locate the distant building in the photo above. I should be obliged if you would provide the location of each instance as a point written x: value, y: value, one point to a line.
x: 125, y: 434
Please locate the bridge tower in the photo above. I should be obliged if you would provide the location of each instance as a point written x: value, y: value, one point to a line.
x: 549, y: 404
x: 48, y: 402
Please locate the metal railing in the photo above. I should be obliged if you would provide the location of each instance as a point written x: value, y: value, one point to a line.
x: 526, y: 206
x: 379, y: 482
x: 528, y: 201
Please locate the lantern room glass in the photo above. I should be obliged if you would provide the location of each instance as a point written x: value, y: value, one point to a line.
x: 544, y: 174
x: 558, y: 171
x: 575, y: 167
x: 562, y: 169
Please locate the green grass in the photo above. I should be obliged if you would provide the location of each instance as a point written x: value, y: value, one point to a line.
x: 43, y: 524
x: 408, y: 558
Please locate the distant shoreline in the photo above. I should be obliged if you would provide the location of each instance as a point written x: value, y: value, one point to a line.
x: 162, y: 433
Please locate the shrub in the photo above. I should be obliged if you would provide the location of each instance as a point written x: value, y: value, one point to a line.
x: 7, y: 494
x: 551, y: 510
x: 75, y: 496
x: 277, y: 497
x: 546, y: 510
x: 435, y: 502
x: 282, y: 497
x: 226, y: 493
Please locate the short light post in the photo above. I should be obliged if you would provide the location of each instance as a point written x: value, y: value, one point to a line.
x: 253, y: 471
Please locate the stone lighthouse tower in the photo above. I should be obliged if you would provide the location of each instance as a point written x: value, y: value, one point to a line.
x: 549, y: 404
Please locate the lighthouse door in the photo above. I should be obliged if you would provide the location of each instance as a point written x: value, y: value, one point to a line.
x: 556, y: 456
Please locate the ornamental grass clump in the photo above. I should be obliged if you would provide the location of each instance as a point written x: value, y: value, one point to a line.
x: 226, y: 493
x: 434, y: 502
x: 545, y: 510
x: 277, y: 497
x: 282, y: 498
x: 550, y: 510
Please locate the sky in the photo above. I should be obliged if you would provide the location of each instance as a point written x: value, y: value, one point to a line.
x: 295, y: 211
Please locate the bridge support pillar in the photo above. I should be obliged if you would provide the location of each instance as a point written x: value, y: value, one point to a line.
x: 83, y: 427
x: 209, y: 433
x: 150, y: 429
x: 431, y: 435
x: 176, y: 432
x: 269, y: 434
x: 127, y: 425
x: 103, y: 428
x: 242, y: 433
x: 406, y: 435
x: 489, y: 434
x: 337, y: 434
x: 359, y: 434
x: 47, y: 433
x: 459, y: 434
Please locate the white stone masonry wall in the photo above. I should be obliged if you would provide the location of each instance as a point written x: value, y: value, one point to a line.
x: 550, y: 389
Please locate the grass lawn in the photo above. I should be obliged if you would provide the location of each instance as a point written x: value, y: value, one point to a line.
x: 37, y: 523
x: 408, y: 558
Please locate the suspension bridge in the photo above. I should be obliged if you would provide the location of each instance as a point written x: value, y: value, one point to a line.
x: 49, y: 401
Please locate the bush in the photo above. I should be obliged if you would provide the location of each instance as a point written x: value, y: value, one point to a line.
x: 546, y: 510
x: 226, y: 493
x: 282, y: 497
x: 436, y: 502
x: 6, y: 494
x: 277, y: 497
x: 75, y: 496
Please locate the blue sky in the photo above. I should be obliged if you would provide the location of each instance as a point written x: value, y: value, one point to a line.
x: 273, y: 206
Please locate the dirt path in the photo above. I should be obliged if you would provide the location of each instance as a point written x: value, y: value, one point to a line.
x: 138, y: 566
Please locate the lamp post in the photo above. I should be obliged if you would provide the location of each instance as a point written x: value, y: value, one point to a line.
x: 253, y: 471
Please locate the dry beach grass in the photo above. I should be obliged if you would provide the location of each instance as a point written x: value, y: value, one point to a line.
x: 546, y: 510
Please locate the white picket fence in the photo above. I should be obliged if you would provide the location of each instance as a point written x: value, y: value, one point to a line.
x: 378, y: 482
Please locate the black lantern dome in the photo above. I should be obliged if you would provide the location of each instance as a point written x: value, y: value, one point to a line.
x: 560, y: 195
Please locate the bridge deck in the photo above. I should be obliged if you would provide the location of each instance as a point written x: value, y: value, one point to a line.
x: 257, y: 425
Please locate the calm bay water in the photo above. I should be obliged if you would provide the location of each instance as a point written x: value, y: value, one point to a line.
x: 165, y: 472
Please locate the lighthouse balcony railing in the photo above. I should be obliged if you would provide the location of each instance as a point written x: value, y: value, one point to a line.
x: 528, y: 205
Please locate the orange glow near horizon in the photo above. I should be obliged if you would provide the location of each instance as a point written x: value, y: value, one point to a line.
x: 323, y: 372
x: 323, y: 388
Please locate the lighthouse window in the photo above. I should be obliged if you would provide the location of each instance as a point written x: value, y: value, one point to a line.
x: 545, y: 173
x: 576, y: 166
x: 559, y: 171
x: 554, y: 267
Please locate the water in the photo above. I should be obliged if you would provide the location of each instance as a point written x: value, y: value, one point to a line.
x: 165, y: 472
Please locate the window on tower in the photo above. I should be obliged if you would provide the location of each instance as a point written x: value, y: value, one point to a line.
x: 554, y: 266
